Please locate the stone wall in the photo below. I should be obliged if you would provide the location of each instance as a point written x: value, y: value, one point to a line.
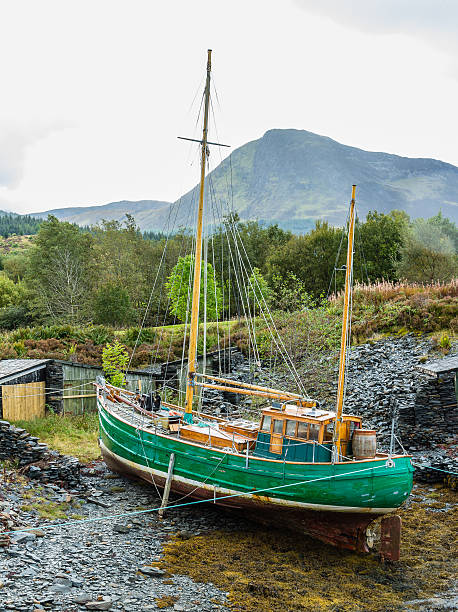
x: 36, y: 459
x: 432, y: 418
x: 55, y: 385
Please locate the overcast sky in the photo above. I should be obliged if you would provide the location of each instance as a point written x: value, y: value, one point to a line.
x: 94, y: 93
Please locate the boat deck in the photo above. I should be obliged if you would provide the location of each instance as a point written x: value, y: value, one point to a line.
x: 206, y: 433
x: 137, y: 419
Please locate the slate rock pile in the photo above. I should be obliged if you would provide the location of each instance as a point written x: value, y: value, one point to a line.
x: 222, y: 403
x: 36, y: 459
x: 385, y: 384
x: 56, y: 468
x: 432, y: 418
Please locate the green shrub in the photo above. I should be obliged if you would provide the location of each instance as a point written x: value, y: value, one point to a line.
x: 114, y: 360
x: 133, y: 335
x: 99, y: 334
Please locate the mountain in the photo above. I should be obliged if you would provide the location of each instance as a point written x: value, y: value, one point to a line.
x: 4, y: 213
x: 293, y: 177
x: 90, y: 215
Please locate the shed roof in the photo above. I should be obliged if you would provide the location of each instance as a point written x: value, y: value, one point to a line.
x: 440, y: 366
x: 88, y: 366
x: 13, y: 368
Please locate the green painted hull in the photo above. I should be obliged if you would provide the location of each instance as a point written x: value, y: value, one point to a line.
x: 370, y: 486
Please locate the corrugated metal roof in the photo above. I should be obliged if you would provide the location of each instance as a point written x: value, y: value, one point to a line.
x: 10, y: 368
x: 440, y: 366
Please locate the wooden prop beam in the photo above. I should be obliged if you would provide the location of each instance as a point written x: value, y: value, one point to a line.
x: 248, y: 385
x: 277, y: 396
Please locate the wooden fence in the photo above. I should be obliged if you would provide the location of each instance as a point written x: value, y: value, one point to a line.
x: 23, y: 402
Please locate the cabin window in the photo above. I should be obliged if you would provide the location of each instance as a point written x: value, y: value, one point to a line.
x: 291, y: 428
x: 302, y: 430
x: 278, y: 426
x: 314, y: 431
x: 266, y: 423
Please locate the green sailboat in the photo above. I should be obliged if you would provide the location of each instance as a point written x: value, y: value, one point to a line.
x: 303, y: 467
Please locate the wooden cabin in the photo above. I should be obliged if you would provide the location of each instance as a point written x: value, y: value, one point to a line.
x: 296, y: 433
x: 288, y: 432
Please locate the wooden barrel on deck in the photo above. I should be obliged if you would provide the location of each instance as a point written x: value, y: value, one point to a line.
x: 364, y: 443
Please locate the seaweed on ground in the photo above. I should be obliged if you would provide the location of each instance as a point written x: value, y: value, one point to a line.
x: 268, y: 569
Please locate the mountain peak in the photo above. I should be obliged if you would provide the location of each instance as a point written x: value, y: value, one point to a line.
x: 294, y: 177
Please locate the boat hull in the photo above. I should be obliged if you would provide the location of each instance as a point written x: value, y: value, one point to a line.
x: 334, y: 503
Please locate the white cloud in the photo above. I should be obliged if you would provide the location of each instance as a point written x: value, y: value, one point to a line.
x: 14, y: 140
x: 436, y: 21
x: 95, y: 93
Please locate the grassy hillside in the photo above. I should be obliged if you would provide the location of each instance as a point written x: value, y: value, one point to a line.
x: 297, y: 175
x: 384, y: 308
x: 14, y: 245
x: 91, y: 215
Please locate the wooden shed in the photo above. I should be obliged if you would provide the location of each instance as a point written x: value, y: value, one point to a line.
x: 23, y: 386
x: 78, y: 395
x: 28, y: 387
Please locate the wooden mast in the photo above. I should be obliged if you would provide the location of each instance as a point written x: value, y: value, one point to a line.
x: 198, y: 257
x: 345, y: 326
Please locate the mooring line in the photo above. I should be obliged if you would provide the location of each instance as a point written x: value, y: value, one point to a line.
x: 430, y: 467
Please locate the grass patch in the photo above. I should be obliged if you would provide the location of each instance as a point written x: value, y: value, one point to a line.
x: 70, y: 435
x: 262, y: 567
x: 47, y: 510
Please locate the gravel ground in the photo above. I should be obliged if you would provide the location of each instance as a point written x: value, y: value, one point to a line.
x: 116, y: 564
x: 106, y: 565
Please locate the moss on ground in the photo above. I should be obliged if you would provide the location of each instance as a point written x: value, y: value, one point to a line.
x: 165, y: 602
x: 47, y: 510
x: 270, y: 570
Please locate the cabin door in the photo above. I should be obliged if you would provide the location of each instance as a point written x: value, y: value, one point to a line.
x: 276, y: 437
x: 276, y: 443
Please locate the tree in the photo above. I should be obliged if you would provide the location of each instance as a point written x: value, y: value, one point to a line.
x: 114, y: 361
x: 447, y: 227
x: 16, y: 266
x: 290, y: 294
x: 60, y: 270
x: 111, y: 305
x: 422, y: 265
x: 378, y: 243
x: 179, y: 290
x: 11, y: 293
x: 21, y: 225
x: 259, y: 292
x: 310, y: 258
x: 428, y: 253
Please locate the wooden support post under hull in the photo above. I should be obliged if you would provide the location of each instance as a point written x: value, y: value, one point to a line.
x: 168, y: 482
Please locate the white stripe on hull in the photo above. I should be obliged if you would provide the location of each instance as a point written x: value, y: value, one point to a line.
x: 259, y: 500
